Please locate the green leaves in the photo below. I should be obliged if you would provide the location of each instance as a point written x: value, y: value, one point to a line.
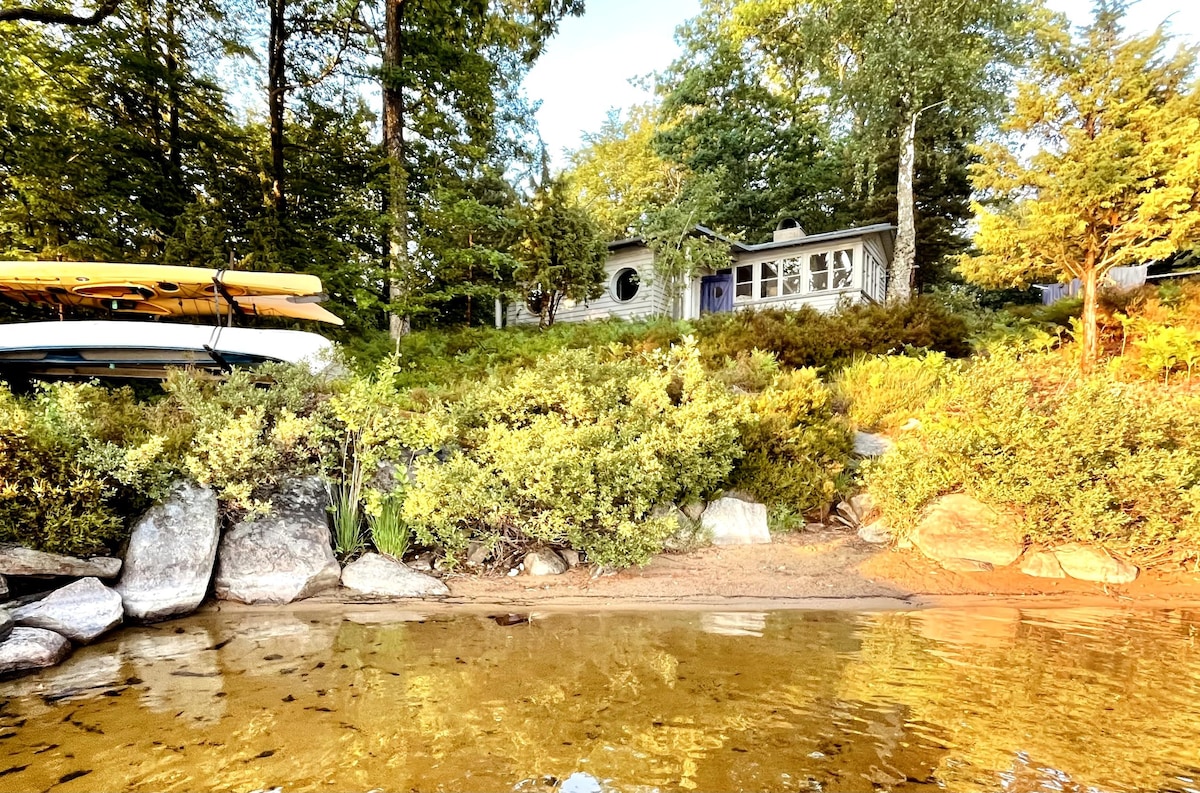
x: 1114, y: 177
x: 560, y: 253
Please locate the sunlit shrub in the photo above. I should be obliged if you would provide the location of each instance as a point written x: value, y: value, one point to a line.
x: 578, y: 450
x: 806, y: 337
x: 796, y: 449
x: 69, y: 471
x: 1098, y: 460
x: 882, y: 392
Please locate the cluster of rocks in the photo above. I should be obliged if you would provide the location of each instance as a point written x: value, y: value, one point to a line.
x: 964, y: 535
x: 176, y: 556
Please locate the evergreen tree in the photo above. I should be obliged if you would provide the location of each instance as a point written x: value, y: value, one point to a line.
x: 560, y: 253
x: 1115, y: 179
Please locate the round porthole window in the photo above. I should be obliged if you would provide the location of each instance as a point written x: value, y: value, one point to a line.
x: 626, y: 284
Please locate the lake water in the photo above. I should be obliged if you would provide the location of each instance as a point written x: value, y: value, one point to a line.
x: 981, y: 699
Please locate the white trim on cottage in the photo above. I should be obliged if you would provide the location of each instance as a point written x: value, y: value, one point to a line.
x: 793, y: 270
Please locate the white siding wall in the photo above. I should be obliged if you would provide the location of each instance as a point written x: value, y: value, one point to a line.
x: 651, y: 300
x: 878, y: 289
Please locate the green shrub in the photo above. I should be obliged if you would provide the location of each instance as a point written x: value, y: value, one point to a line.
x: 244, y: 438
x: 1100, y: 460
x: 807, y: 337
x: 796, y: 449
x: 445, y: 357
x: 882, y: 392
x: 67, y: 477
x: 578, y: 450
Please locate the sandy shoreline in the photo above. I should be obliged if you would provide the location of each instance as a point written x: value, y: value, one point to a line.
x: 829, y: 570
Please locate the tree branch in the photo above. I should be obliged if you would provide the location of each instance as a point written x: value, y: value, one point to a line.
x: 51, y: 17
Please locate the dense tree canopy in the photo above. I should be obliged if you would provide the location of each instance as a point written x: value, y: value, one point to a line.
x: 391, y: 149
x: 1114, y: 177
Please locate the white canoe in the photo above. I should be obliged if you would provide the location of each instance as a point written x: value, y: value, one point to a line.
x: 100, y: 348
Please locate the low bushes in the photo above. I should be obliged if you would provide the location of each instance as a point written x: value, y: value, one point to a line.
x: 797, y: 451
x: 880, y: 393
x: 78, y: 461
x: 579, y: 450
x: 806, y: 337
x: 1100, y: 460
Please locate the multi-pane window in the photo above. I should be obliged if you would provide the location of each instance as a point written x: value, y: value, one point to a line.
x: 793, y: 276
x: 818, y: 272
x: 798, y: 275
x: 843, y: 268
x: 769, y: 280
x: 744, y: 282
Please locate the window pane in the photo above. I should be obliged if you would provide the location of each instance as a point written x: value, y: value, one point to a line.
x: 770, y: 280
x: 843, y: 267
x: 626, y: 284
x: 793, y: 271
x: 745, y: 281
x: 818, y: 267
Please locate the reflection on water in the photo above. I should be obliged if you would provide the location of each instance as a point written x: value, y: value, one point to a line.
x: 986, y: 699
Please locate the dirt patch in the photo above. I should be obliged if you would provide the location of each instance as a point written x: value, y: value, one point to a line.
x: 823, y: 569
x: 825, y: 565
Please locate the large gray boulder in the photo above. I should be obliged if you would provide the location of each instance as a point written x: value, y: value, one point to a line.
x: 171, y: 553
x: 6, y: 624
x: 15, y: 560
x: 732, y: 521
x: 81, y: 611
x: 375, y: 575
x: 32, y: 648
x: 284, y: 555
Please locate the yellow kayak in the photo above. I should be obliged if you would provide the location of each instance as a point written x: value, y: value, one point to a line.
x: 164, y: 290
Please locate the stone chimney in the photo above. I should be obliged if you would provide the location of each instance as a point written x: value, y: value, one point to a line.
x: 788, y: 229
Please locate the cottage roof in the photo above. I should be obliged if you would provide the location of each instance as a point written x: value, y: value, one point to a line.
x: 742, y: 247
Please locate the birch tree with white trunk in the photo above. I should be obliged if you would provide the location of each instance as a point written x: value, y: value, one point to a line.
x: 888, y: 64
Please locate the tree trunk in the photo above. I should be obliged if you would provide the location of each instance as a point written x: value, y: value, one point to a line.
x: 900, y: 279
x: 393, y: 144
x: 276, y: 100
x: 1091, y: 328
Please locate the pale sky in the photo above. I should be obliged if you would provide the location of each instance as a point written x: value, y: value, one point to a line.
x: 587, y: 68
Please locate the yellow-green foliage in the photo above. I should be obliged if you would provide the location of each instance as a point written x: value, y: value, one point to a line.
x: 68, y: 473
x: 1157, y: 329
x: 78, y: 461
x: 1098, y: 460
x: 882, y: 392
x: 578, y: 451
x: 242, y: 437
x: 796, y: 449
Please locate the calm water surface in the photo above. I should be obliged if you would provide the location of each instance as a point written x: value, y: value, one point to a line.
x: 992, y: 699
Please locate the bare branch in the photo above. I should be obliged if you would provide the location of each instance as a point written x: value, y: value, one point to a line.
x: 50, y: 17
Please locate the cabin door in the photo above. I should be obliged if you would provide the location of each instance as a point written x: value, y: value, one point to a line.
x: 716, y: 294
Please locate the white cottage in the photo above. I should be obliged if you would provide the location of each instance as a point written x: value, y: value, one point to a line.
x: 794, y: 269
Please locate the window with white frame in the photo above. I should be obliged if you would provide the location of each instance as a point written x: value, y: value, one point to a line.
x: 792, y: 273
x: 843, y: 268
x: 818, y: 272
x: 876, y: 276
x: 743, y: 287
x: 768, y: 285
x: 797, y: 275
